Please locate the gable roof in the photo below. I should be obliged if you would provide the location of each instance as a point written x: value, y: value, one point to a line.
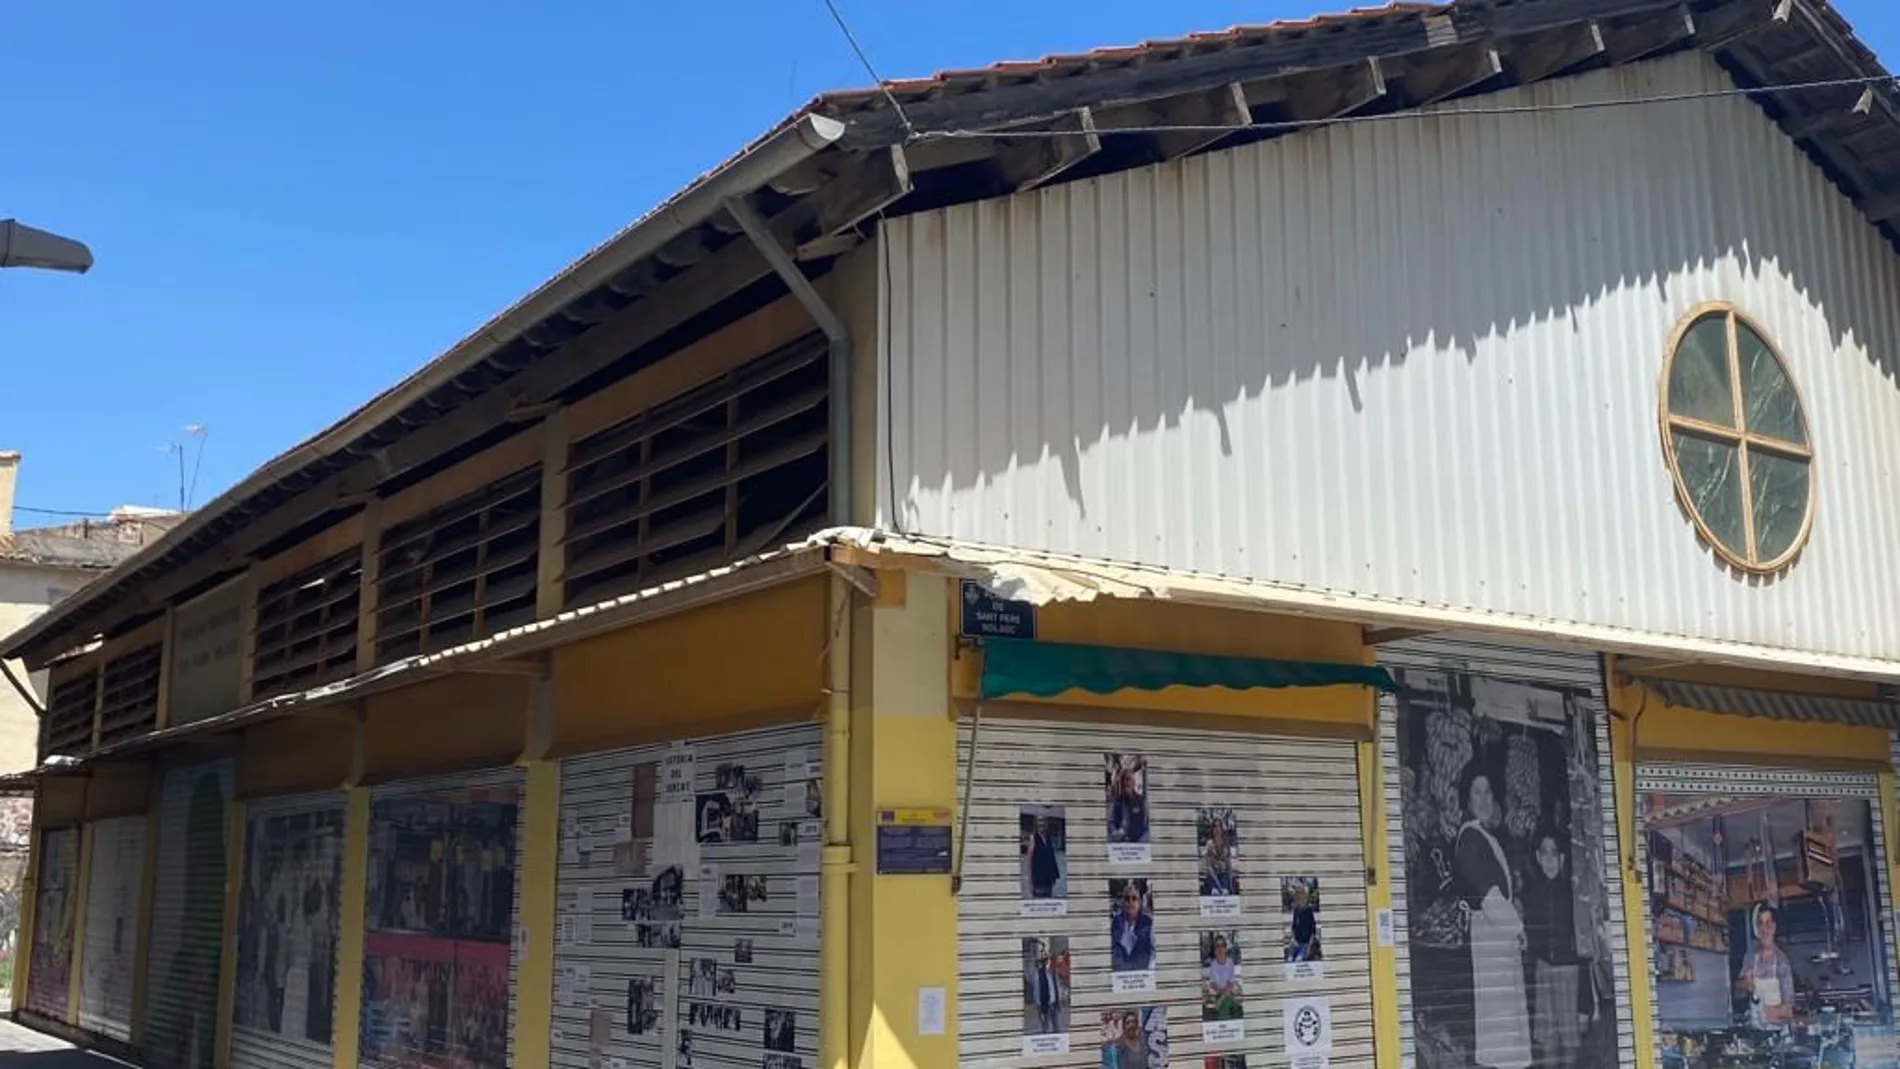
x: 844, y: 158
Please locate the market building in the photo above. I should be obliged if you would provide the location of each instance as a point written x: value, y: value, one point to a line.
x: 1356, y: 542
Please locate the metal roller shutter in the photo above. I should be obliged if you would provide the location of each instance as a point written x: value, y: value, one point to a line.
x: 283, y: 1010
x: 112, y: 927
x: 1294, y: 806
x: 675, y: 952
x: 1674, y: 798
x: 187, y: 928
x: 439, y: 950
x: 1560, y: 736
x: 55, y: 902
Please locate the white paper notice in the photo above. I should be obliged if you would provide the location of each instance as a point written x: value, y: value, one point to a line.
x: 521, y: 942
x: 584, y: 835
x: 673, y: 842
x: 788, y: 928
x: 584, y: 900
x: 1034, y: 1046
x: 808, y: 896
x: 1043, y: 907
x: 1307, y: 1025
x: 708, y: 891
x: 1223, y: 1032
x: 584, y: 986
x: 810, y: 842
x: 1387, y: 934
x: 1220, y: 905
x: 570, y: 850
x: 1133, y: 983
x: 930, y: 1011
x: 623, y: 828
x: 564, y: 931
x: 584, y: 929
x: 1129, y: 853
x: 1305, y: 970
x: 677, y: 773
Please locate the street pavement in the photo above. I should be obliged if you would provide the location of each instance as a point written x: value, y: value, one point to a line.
x: 23, y: 1048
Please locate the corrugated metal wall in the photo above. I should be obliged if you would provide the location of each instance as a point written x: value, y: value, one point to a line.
x: 284, y: 1005
x: 1433, y: 960
x: 50, y: 969
x: 1415, y: 358
x: 110, y: 953
x: 700, y: 947
x: 1028, y: 769
x: 187, y: 931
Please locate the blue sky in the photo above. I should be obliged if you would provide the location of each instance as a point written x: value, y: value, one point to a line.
x: 293, y: 206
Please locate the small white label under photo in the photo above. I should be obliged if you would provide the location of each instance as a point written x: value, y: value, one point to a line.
x: 1223, y: 1032
x: 1042, y: 1046
x: 1388, y: 936
x: 1130, y: 853
x: 1305, y: 970
x: 1136, y: 982
x: 931, y: 1011
x: 1307, y: 1024
x: 1043, y: 907
x: 1220, y: 905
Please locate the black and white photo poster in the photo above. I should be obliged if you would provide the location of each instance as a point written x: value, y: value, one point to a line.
x: 1494, y: 773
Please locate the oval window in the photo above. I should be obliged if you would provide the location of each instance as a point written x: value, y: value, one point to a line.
x: 1736, y: 437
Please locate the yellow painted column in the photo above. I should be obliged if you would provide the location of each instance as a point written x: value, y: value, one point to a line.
x: 148, y: 884
x: 227, y: 956
x: 534, y: 917
x: 352, y: 907
x: 1889, y: 818
x: 76, y: 902
x: 1635, y: 917
x: 29, y: 903
x: 903, y: 756
x: 1385, y: 970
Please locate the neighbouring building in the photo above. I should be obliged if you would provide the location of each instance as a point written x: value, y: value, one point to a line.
x: 1359, y: 542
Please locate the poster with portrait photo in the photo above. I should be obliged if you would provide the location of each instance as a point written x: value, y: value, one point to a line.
x: 1134, y: 1038
x: 1046, y: 995
x: 1299, y: 928
x: 1131, y: 936
x: 1125, y: 796
x: 1217, y: 846
x: 780, y: 1031
x: 1489, y: 769
x: 1222, y: 1015
x: 643, y: 1005
x: 1043, y: 876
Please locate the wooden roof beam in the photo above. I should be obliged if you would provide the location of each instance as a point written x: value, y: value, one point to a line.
x: 1725, y: 25
x: 1220, y: 111
x: 1445, y: 73
x: 1027, y: 162
x: 1553, y: 52
x: 1323, y: 95
x: 1631, y: 39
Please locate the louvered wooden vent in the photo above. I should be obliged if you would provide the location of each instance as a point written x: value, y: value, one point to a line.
x: 464, y: 570
x: 69, y: 714
x: 725, y: 471
x: 129, y: 705
x: 306, y: 626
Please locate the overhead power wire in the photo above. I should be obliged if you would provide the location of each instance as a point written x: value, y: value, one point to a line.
x: 1453, y: 112
x: 865, y: 60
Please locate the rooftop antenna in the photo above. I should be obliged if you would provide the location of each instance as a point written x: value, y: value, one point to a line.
x: 188, y: 484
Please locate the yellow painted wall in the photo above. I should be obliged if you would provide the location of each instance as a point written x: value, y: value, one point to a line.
x: 458, y: 722
x: 903, y: 746
x: 118, y: 790
x: 725, y: 667
x: 62, y: 801
x: 304, y: 753
x: 1193, y: 629
x: 76, y: 904
x: 1664, y: 731
x: 352, y: 907
x: 534, y: 915
x: 1635, y: 916
x: 1384, y: 963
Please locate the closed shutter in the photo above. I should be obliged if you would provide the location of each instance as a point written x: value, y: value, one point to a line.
x: 1544, y: 719
x: 112, y: 927
x: 1710, y: 818
x: 671, y: 951
x: 50, y: 970
x: 187, y: 933
x: 283, y: 1010
x: 438, y: 949
x: 1293, y: 804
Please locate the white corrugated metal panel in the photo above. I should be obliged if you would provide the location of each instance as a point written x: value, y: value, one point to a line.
x: 675, y: 952
x: 187, y: 933
x: 1295, y: 804
x: 439, y: 946
x: 55, y: 902
x: 285, y: 989
x: 1415, y: 358
x: 1728, y: 783
x: 1534, y: 719
x: 112, y: 927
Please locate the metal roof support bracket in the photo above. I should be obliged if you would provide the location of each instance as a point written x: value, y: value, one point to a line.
x: 839, y: 343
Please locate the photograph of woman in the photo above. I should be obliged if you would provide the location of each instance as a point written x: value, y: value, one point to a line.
x: 1499, y: 1013
x: 1217, y: 837
x: 1220, y: 985
x: 1506, y: 873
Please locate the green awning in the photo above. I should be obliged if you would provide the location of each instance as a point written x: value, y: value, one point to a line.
x: 1013, y: 667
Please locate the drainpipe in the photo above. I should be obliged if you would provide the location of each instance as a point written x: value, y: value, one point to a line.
x: 836, y: 862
